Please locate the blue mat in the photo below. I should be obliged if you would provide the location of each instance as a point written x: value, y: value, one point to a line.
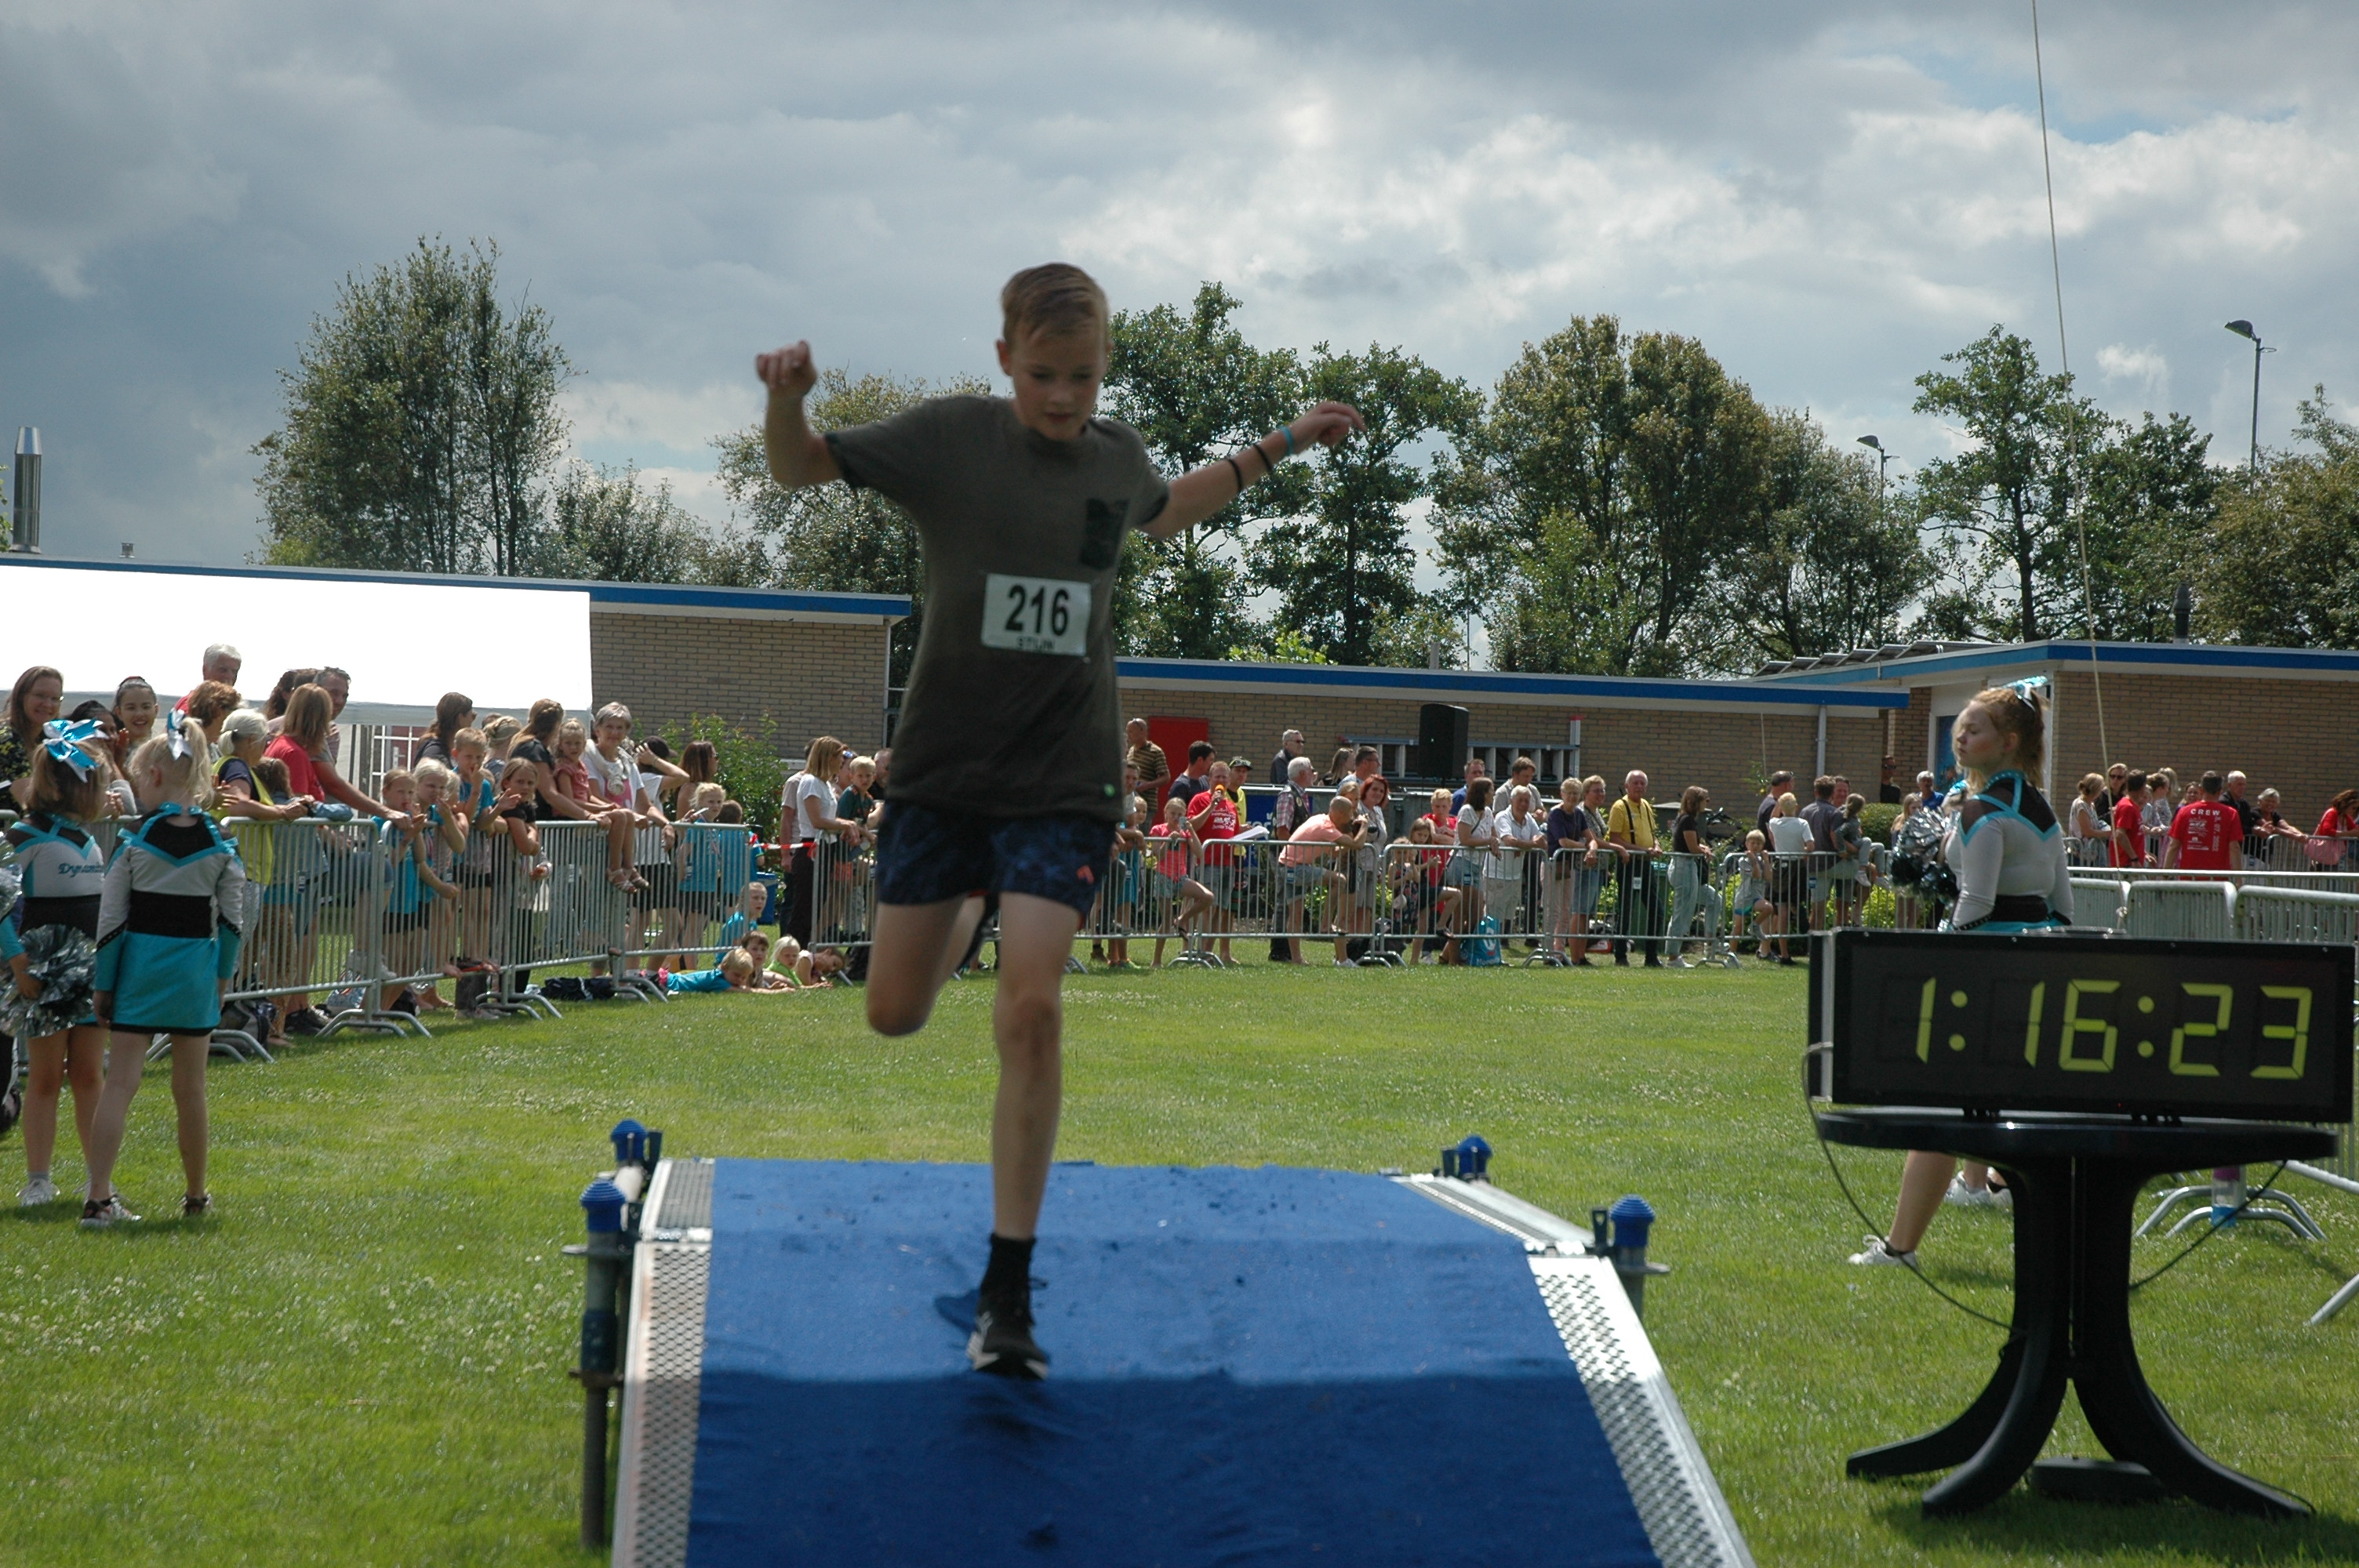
x: 1250, y: 1366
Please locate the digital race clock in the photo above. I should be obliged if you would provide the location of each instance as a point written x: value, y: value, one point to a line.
x: 2084, y: 1023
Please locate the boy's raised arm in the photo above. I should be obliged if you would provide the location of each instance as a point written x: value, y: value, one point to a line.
x: 1200, y: 493
x: 798, y: 456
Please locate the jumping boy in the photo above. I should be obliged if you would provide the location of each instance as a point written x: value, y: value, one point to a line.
x: 1007, y: 762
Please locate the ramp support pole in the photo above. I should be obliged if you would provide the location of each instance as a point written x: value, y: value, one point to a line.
x: 603, y: 1205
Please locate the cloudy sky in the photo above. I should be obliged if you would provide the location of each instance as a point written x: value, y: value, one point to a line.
x: 1831, y: 196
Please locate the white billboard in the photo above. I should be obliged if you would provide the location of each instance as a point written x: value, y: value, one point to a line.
x: 405, y: 643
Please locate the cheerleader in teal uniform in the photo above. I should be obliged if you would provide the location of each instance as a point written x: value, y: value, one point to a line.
x: 62, y: 867
x: 169, y: 926
x: 2008, y: 850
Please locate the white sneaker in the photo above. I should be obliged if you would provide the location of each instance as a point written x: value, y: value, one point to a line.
x: 1343, y: 963
x: 1965, y: 1197
x: 1675, y: 962
x: 36, y: 1192
x: 1878, y: 1254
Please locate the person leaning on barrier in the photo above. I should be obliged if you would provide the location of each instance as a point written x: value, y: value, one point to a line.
x: 2338, y: 832
x: 210, y: 704
x: 2007, y: 849
x: 1314, y: 858
x: 1517, y: 834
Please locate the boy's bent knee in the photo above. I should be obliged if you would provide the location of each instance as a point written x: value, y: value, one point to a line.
x: 890, y: 1015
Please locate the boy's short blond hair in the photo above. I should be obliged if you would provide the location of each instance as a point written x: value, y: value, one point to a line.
x: 738, y: 964
x: 1056, y: 300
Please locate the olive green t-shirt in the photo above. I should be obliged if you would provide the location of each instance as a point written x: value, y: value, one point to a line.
x: 1011, y: 708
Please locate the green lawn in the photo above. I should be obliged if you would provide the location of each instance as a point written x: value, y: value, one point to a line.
x: 361, y: 1359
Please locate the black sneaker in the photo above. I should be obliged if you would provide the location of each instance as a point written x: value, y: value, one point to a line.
x: 305, y: 1020
x: 1002, y: 1342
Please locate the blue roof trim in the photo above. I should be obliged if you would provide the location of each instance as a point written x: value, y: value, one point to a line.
x: 880, y: 604
x: 681, y: 594
x: 1505, y: 684
x: 2182, y: 655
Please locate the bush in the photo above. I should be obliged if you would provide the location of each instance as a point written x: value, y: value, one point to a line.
x: 1876, y: 821
x: 751, y: 769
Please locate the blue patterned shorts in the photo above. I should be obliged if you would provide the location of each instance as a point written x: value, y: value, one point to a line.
x: 925, y: 855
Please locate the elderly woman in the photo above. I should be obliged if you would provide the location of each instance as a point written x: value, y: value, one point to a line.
x: 1517, y: 835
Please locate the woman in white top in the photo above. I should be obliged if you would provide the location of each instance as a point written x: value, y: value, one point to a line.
x: 807, y: 811
x: 1476, y: 830
x: 2013, y: 876
x: 1790, y: 875
x: 2092, y: 835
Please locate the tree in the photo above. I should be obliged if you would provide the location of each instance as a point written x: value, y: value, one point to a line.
x: 422, y: 425
x: 832, y: 538
x: 608, y: 526
x: 1590, y: 508
x: 1835, y: 567
x: 2002, y: 509
x: 1196, y: 391
x: 1344, y: 560
x: 2281, y: 568
x: 2151, y: 499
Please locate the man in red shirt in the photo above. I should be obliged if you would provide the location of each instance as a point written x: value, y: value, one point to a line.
x: 2207, y: 835
x: 2129, y: 832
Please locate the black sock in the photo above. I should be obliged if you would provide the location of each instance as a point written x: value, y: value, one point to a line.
x: 1010, y: 1268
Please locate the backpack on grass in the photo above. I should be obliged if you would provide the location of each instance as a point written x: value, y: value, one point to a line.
x: 1481, y: 949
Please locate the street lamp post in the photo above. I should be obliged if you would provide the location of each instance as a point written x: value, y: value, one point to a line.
x: 1882, y: 457
x: 2243, y: 328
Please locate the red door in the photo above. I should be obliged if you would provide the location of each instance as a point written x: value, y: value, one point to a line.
x: 1175, y: 736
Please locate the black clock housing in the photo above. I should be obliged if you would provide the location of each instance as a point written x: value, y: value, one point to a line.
x: 2085, y: 1023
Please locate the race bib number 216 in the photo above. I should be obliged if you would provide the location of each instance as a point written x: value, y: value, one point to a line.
x: 1036, y: 615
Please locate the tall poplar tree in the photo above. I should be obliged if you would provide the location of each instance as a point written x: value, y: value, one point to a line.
x: 422, y: 425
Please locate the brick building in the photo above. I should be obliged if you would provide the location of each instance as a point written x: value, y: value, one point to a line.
x: 801, y: 664
x: 1721, y: 735
x: 806, y: 663
x: 2284, y: 716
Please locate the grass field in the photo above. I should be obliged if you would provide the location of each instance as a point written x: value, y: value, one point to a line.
x: 361, y: 1359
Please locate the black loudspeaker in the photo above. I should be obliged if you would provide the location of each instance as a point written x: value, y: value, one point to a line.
x: 1442, y: 740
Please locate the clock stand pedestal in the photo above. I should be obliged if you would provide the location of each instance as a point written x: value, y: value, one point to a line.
x: 2075, y: 1181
